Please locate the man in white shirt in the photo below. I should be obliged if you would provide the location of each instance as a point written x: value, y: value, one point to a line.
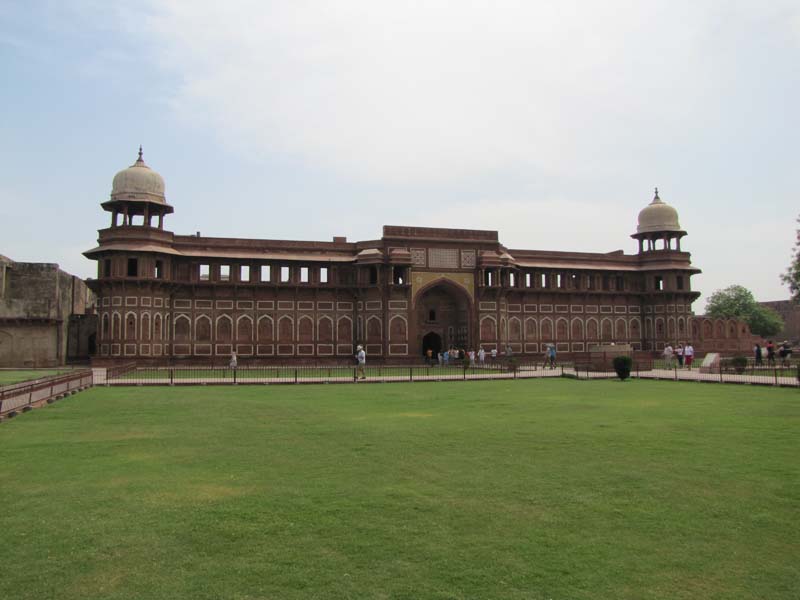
x: 668, y: 356
x: 688, y: 355
x: 361, y: 357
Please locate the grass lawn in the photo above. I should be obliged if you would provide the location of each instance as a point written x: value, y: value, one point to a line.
x: 510, y: 489
x: 9, y: 377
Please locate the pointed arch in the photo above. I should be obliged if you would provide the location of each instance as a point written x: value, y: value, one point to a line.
x: 398, y: 329
x: 344, y: 330
x: 305, y: 329
x: 202, y: 328
x: 546, y: 329
x: 325, y: 329
x: 514, y: 329
x: 531, y: 329
x: 621, y: 329
x: 374, y: 329
x: 157, y: 327
x: 286, y: 329
x: 244, y: 329
x: 130, y: 326
x: 265, y: 329
x: 635, y: 329
x: 488, y: 328
x: 104, y: 327
x: 562, y: 329
x: 592, y: 329
x: 224, y: 329
x: 576, y: 332
x: 183, y: 329
x: 145, y: 334
x: 606, y: 330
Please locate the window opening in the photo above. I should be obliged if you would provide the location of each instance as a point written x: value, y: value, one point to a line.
x: 284, y: 274
x: 205, y: 272
x: 159, y: 269
x: 303, y: 274
x: 133, y: 267
x: 224, y: 272
x: 265, y: 273
x: 323, y: 275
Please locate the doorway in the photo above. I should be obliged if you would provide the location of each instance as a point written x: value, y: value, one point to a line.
x: 433, y: 342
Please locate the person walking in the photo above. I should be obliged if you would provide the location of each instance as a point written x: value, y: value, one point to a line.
x: 481, y: 356
x: 679, y: 355
x: 234, y: 362
x: 668, y: 352
x: 757, y: 352
x: 552, y: 354
x: 688, y: 355
x: 428, y: 357
x: 770, y: 353
x: 361, y: 359
x: 472, y: 358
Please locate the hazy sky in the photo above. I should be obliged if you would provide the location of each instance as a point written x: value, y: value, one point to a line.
x: 550, y: 122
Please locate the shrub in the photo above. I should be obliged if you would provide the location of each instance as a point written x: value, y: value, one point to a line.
x: 622, y: 365
x: 738, y: 363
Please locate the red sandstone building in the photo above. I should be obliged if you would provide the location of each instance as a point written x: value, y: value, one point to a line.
x: 166, y: 296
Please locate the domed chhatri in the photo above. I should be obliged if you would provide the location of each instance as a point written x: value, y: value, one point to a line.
x: 658, y: 216
x: 138, y: 182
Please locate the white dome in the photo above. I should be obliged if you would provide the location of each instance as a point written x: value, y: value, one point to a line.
x: 658, y: 216
x: 138, y: 182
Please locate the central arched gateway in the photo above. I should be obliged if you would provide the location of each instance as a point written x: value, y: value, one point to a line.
x: 442, y: 315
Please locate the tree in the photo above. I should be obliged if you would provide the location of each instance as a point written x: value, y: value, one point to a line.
x: 792, y: 275
x: 738, y: 302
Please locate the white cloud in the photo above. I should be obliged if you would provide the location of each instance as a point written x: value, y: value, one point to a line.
x: 435, y: 91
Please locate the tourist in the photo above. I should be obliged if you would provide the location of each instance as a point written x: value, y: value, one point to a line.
x: 234, y: 362
x: 688, y: 355
x: 668, y: 356
x: 429, y: 357
x: 446, y: 357
x: 494, y: 355
x: 481, y: 356
x: 440, y: 358
x: 552, y: 355
x: 361, y: 358
x: 786, y: 353
x: 679, y: 355
x: 757, y: 352
x: 472, y: 358
x: 770, y: 353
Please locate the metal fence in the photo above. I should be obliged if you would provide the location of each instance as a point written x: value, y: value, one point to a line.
x: 725, y: 372
x: 23, y: 396
x: 204, y: 375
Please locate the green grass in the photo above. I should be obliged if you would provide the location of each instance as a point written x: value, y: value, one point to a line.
x: 516, y: 489
x: 9, y: 377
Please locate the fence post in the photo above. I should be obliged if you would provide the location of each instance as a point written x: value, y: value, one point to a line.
x: 411, y: 373
x: 676, y: 373
x: 354, y: 375
x: 234, y: 374
x: 775, y: 369
x: 295, y: 374
x: 172, y: 376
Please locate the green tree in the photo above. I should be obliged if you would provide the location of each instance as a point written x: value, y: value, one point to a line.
x: 737, y: 301
x: 792, y: 275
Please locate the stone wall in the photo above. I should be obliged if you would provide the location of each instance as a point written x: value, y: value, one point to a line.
x: 36, y: 303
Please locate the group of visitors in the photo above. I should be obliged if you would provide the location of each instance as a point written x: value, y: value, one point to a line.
x: 683, y: 354
x: 458, y: 356
x: 784, y: 352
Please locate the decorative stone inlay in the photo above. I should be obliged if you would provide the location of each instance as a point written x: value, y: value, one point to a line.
x: 443, y: 258
x: 468, y: 259
x: 418, y: 257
